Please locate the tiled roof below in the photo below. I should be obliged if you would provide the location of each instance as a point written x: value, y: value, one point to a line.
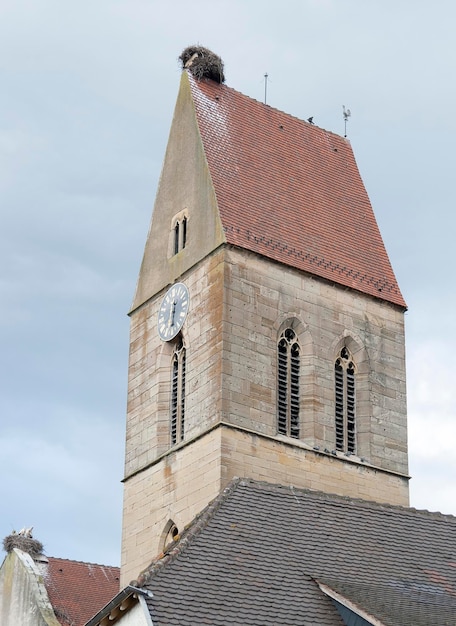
x: 291, y: 191
x: 78, y: 590
x: 257, y: 555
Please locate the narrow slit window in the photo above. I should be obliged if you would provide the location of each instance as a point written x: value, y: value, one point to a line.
x: 176, y: 238
x: 345, y: 405
x: 177, y: 403
x: 184, y: 232
x: 179, y: 234
x: 288, y: 374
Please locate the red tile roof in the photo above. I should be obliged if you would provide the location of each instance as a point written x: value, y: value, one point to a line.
x: 291, y: 191
x: 79, y: 590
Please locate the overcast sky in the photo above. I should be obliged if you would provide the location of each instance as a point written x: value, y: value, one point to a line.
x: 87, y: 91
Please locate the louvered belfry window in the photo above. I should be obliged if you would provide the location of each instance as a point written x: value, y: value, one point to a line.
x: 288, y: 366
x: 344, y: 376
x: 177, y: 408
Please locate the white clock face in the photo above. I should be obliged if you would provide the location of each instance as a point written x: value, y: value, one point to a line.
x: 173, y: 311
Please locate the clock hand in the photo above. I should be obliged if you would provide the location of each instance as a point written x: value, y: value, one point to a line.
x: 172, y: 314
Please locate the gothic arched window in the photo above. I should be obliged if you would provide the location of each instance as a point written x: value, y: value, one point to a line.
x: 177, y: 404
x: 169, y: 534
x: 288, y: 366
x: 344, y: 376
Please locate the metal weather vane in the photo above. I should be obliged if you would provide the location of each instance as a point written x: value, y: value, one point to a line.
x: 347, y: 114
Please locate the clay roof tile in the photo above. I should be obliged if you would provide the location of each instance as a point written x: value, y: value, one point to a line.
x: 78, y: 590
x: 291, y: 191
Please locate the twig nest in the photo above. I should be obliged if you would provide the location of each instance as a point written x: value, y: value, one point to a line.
x: 24, y: 543
x: 202, y: 63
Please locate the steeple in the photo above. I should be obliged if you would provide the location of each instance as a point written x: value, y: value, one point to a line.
x: 282, y: 356
x: 282, y: 188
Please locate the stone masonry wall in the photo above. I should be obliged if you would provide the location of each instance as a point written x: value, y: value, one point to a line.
x: 149, y: 378
x: 239, y: 304
x: 177, y: 487
x: 180, y: 484
x: 262, y: 298
x: 24, y: 600
x: 276, y: 460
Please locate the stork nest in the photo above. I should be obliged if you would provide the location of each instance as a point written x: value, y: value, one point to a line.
x: 26, y: 544
x: 202, y: 63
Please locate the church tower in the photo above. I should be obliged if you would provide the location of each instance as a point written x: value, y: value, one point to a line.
x: 267, y: 331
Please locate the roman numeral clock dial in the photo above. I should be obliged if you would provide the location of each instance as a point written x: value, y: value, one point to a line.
x: 173, y: 311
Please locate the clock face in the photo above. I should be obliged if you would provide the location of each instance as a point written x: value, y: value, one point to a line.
x: 173, y: 311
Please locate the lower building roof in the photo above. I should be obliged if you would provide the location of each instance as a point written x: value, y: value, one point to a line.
x: 262, y: 554
x: 78, y: 590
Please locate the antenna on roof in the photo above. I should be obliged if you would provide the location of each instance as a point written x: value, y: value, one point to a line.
x: 265, y: 87
x: 347, y: 114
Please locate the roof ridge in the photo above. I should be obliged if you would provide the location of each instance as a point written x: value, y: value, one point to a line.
x: 313, y: 126
x: 334, y: 496
x: 57, y: 558
x: 194, y: 528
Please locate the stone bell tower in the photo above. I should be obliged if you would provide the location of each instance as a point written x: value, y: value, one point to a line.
x: 267, y: 334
